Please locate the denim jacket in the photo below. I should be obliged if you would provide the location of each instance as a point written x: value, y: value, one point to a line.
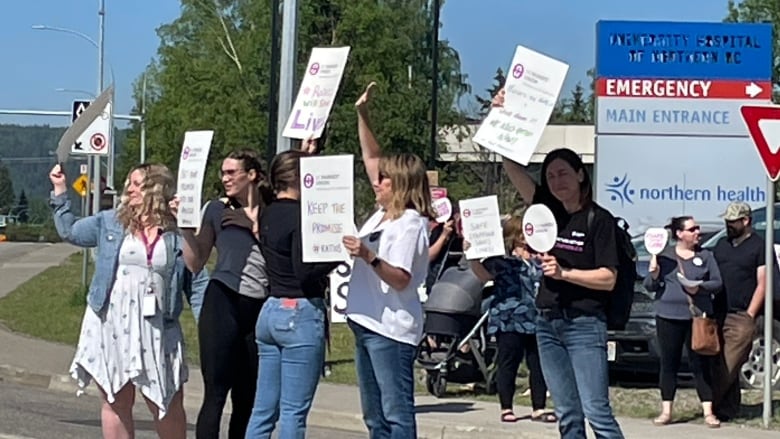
x: 104, y: 231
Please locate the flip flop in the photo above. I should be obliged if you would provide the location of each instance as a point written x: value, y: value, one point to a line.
x: 548, y: 418
x: 509, y: 417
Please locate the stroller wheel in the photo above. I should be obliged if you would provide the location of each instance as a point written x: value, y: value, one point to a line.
x: 436, y: 384
x: 491, y: 386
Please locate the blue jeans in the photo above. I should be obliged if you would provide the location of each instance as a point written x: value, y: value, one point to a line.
x: 290, y: 335
x: 573, y: 353
x: 385, y: 370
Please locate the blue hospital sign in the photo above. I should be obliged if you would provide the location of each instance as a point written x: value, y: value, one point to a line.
x: 668, y: 94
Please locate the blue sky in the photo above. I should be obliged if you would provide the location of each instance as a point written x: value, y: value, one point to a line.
x: 484, y: 32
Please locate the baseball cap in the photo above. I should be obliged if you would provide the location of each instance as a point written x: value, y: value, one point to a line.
x: 736, y: 210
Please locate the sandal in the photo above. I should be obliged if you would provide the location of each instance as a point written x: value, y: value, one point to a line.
x: 509, y: 417
x: 545, y: 417
x: 712, y: 421
x: 663, y: 419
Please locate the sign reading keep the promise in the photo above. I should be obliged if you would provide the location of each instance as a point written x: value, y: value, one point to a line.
x: 327, y: 207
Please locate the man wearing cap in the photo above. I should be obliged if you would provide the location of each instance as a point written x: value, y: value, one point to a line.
x: 740, y: 257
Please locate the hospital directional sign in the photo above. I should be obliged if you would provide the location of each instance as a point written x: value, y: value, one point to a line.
x: 670, y: 139
x: 680, y: 78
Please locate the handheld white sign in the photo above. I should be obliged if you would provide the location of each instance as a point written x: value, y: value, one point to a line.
x: 443, y: 209
x: 540, y: 228
x: 317, y: 93
x: 482, y: 227
x: 192, y: 168
x: 656, y: 239
x: 532, y: 88
x: 327, y: 206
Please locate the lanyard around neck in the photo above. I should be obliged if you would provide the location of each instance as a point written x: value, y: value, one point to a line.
x: 150, y: 246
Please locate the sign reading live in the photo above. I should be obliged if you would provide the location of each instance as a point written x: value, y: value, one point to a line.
x: 763, y: 123
x: 317, y: 93
x: 327, y: 207
x: 668, y: 124
x: 192, y: 169
x: 532, y: 87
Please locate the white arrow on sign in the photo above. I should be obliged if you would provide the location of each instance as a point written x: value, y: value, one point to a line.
x: 753, y: 89
x: 770, y: 128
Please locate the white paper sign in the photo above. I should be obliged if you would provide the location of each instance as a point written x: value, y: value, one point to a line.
x: 96, y: 140
x: 656, y: 239
x: 327, y: 206
x: 317, y: 93
x: 532, y: 87
x: 482, y: 227
x: 192, y: 167
x: 540, y: 228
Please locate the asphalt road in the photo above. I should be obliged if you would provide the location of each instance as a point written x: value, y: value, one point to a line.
x: 34, y: 413
x: 11, y: 251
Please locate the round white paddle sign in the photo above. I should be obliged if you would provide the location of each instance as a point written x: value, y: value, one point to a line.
x: 443, y: 209
x: 539, y: 228
x: 656, y: 239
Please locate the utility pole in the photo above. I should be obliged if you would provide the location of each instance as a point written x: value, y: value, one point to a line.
x: 273, y: 114
x: 287, y: 70
x: 95, y: 177
x: 435, y: 86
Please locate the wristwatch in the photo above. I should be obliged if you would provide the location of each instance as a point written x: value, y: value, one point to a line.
x: 375, y: 261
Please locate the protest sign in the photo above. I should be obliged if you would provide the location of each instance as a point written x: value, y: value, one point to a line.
x: 532, y: 87
x: 327, y: 206
x: 318, y: 91
x: 540, y: 228
x: 443, y: 209
x: 656, y: 239
x: 192, y: 168
x: 482, y: 227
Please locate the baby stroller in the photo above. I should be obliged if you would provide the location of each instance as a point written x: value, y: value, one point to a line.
x: 455, y: 347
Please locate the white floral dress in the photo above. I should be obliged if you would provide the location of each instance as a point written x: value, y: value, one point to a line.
x: 124, y: 346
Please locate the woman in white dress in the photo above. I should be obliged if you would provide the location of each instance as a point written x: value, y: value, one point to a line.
x: 130, y: 336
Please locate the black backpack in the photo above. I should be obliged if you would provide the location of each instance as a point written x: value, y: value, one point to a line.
x: 622, y: 296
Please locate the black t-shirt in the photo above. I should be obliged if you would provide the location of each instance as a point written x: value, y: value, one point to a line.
x: 738, y: 267
x: 280, y: 235
x: 578, y: 247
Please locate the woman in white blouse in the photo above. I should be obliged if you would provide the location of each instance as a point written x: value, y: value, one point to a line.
x: 391, y: 261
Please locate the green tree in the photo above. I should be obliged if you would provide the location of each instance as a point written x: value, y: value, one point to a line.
x: 760, y: 11
x: 7, y: 196
x: 212, y: 72
x: 21, y: 210
x: 498, y: 83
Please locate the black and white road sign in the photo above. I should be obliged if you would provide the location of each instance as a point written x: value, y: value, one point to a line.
x: 96, y: 139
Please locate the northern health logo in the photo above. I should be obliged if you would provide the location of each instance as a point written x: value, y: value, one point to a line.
x: 620, y: 190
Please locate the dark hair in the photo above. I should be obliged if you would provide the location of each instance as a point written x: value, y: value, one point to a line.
x: 677, y: 224
x: 250, y: 161
x: 574, y: 160
x: 284, y: 170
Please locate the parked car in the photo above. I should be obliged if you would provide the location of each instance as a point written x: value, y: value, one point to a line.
x: 635, y: 350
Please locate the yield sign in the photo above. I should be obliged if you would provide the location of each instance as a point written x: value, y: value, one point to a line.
x: 763, y: 123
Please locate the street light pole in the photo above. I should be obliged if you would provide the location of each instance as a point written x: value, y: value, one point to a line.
x: 96, y: 159
x: 287, y: 70
x: 143, y: 121
x: 435, y: 86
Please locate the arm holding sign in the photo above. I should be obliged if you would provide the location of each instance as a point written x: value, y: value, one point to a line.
x: 477, y: 267
x: 602, y: 278
x: 368, y: 144
x: 197, y: 247
x: 82, y: 232
x: 517, y: 174
x: 397, y: 278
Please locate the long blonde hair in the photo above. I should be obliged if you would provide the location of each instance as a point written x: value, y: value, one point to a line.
x: 409, y: 182
x: 157, y: 190
x: 513, y: 233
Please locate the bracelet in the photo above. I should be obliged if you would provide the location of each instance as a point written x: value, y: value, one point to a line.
x: 375, y: 261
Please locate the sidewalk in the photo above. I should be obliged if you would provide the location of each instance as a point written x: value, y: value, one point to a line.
x: 45, y: 364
